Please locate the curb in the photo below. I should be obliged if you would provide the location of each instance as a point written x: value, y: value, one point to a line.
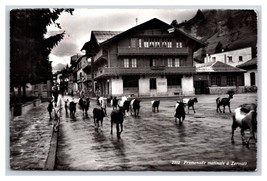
x: 52, y: 153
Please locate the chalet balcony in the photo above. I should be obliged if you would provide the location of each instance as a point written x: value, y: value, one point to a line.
x: 86, y: 66
x: 155, y: 70
x: 101, y: 54
x: 123, y: 51
x: 85, y: 78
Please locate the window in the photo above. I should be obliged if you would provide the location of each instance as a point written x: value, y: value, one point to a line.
x: 240, y: 58
x: 126, y: 63
x: 179, y: 44
x: 152, y: 62
x: 176, y: 62
x: 151, y: 42
x: 146, y: 43
x: 216, y: 80
x: 81, y: 75
x: 231, y: 81
x: 169, y: 43
x: 134, y: 62
x: 157, y: 44
x: 133, y: 42
x: 169, y: 62
x: 140, y: 43
x: 164, y: 42
x: 213, y: 59
x: 153, y: 83
x: 230, y: 59
x: 129, y: 83
x: 252, y: 78
x: 173, y: 81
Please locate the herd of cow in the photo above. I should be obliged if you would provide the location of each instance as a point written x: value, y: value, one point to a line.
x: 245, y: 116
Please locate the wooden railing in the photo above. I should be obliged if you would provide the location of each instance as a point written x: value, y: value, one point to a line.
x: 114, y: 71
x: 152, y: 51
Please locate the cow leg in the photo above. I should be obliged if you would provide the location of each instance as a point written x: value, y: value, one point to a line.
x: 243, y: 136
x: 121, y: 127
x: 233, y: 130
x: 188, y: 110
x: 50, y: 116
x: 229, y: 108
x: 193, y: 109
x: 158, y: 108
x: 118, y: 131
x: 111, y: 127
x: 223, y: 108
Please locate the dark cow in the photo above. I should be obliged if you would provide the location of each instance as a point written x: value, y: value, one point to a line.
x: 155, y: 105
x: 98, y: 114
x: 109, y: 99
x: 117, y: 118
x: 190, y: 103
x: 135, y: 107
x: 72, y: 108
x: 50, y: 109
x: 245, y: 117
x: 114, y: 102
x: 224, y: 101
x: 85, y: 106
x: 180, y: 112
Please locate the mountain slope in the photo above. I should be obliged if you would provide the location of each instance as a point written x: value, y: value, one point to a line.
x: 234, y: 29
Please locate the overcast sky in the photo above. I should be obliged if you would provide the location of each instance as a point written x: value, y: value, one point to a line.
x: 78, y: 26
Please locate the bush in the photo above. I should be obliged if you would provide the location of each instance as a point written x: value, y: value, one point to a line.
x: 249, y: 89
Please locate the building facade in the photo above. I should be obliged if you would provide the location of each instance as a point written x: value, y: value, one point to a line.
x: 218, y: 78
x: 151, y: 59
x: 251, y: 76
x: 83, y: 76
x: 233, y: 58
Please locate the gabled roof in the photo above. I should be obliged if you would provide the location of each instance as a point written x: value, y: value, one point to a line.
x: 249, y: 63
x: 150, y: 24
x: 102, y: 36
x: 217, y: 67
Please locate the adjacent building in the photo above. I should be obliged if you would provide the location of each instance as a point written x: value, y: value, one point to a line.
x: 251, y: 76
x: 233, y: 58
x: 217, y: 78
x: 151, y: 59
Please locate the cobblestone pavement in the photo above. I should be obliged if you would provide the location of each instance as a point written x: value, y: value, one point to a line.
x: 30, y: 137
x: 153, y: 141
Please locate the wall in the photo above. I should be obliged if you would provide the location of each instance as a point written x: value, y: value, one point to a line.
x: 116, y: 86
x: 246, y: 53
x: 161, y: 86
x: 187, y: 85
x: 247, y: 77
x: 144, y: 87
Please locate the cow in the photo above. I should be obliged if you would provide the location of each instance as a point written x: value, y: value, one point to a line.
x: 155, y: 105
x: 179, y: 112
x: 135, y: 107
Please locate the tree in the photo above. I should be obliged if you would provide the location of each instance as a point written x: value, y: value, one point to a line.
x: 230, y: 23
x: 219, y: 47
x: 174, y: 23
x: 29, y: 49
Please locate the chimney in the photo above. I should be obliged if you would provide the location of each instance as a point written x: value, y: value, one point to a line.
x: 136, y: 20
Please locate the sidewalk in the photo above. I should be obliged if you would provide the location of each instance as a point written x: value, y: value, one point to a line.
x: 30, y: 137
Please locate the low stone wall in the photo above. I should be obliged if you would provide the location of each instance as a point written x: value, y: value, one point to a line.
x: 24, y: 108
x: 224, y: 90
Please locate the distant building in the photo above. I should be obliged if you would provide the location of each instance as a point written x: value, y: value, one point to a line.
x: 217, y: 78
x: 233, y: 57
x: 251, y: 76
x: 150, y: 59
x: 84, y: 78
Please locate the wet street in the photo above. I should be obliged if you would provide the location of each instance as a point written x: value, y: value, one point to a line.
x: 154, y: 141
x: 30, y: 137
